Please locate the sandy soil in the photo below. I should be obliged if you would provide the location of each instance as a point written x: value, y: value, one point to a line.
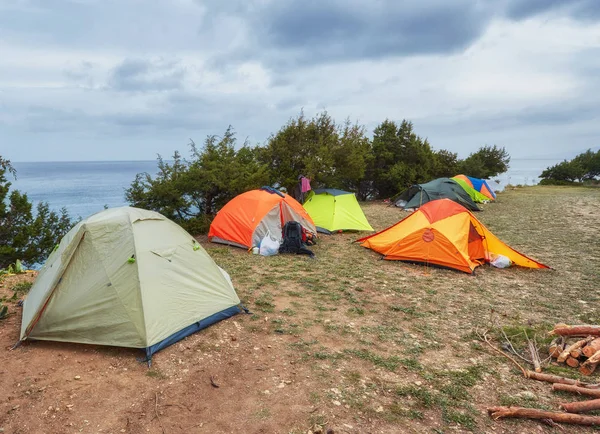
x: 330, y: 344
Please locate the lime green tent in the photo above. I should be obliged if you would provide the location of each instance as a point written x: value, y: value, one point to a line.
x: 335, y: 210
x: 127, y: 277
x: 474, y: 194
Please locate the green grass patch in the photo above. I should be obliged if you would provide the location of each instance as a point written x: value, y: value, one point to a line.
x: 22, y: 288
x: 264, y: 303
x: 390, y: 363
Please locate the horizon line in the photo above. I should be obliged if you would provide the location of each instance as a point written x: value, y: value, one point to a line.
x: 165, y: 159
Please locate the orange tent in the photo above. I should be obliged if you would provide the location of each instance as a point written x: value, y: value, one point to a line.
x: 446, y: 234
x: 246, y: 219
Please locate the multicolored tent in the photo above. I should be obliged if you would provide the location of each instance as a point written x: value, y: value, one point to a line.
x: 440, y: 188
x: 479, y: 185
x: 476, y: 196
x: 127, y: 277
x: 445, y: 234
x: 248, y: 217
x: 335, y: 210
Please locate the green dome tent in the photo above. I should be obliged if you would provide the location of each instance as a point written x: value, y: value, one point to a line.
x: 127, y: 277
x: 335, y: 210
x: 440, y: 188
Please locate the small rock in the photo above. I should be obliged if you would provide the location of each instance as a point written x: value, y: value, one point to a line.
x: 337, y: 403
x: 78, y: 377
x: 379, y: 409
x: 418, y: 383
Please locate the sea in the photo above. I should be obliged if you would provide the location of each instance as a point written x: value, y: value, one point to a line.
x: 86, y: 187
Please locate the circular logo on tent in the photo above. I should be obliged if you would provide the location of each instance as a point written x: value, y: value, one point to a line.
x: 428, y: 236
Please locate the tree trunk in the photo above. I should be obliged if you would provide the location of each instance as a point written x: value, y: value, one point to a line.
x: 533, y: 413
x: 572, y: 362
x: 581, y: 406
x: 576, y: 389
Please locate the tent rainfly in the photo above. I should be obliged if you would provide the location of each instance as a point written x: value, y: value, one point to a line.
x: 445, y: 234
x: 476, y: 196
x: 247, y: 218
x: 440, y: 188
x: 127, y: 277
x: 479, y: 185
x: 335, y: 210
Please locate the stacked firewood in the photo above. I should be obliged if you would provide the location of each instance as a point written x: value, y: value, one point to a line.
x: 577, y: 346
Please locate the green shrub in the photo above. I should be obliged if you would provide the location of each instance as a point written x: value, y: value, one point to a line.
x: 26, y: 235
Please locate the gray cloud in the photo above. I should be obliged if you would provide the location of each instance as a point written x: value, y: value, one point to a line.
x: 339, y: 30
x: 112, y: 71
x: 555, y: 116
x: 581, y: 9
x: 147, y: 75
x: 301, y: 33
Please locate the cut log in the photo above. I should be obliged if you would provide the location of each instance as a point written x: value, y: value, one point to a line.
x: 591, y: 348
x: 556, y: 347
x: 567, y: 351
x: 549, y: 378
x: 587, y: 369
x: 535, y: 356
x: 572, y: 362
x: 576, y: 353
x: 557, y: 387
x: 576, y: 330
x: 581, y: 406
x: 534, y: 413
x: 595, y: 358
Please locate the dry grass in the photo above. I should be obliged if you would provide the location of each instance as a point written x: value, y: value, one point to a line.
x: 346, y: 340
x: 397, y: 339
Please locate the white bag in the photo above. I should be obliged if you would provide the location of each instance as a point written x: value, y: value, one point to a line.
x: 268, y: 245
x: 499, y: 261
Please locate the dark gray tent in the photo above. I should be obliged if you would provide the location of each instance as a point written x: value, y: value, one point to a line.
x: 420, y: 194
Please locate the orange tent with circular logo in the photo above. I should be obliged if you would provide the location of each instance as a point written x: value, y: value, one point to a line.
x: 446, y: 234
x: 247, y: 218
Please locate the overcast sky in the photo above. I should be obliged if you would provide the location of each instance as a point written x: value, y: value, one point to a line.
x: 127, y: 79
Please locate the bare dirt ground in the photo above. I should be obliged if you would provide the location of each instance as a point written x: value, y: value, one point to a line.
x: 345, y: 342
